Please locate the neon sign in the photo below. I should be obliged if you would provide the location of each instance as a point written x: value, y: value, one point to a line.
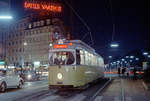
x: 39, y: 6
x: 60, y: 46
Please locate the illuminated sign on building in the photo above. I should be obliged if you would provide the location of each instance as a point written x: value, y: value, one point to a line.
x: 42, y: 6
x: 60, y: 46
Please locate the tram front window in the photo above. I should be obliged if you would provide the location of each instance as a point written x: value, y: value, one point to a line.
x: 62, y: 58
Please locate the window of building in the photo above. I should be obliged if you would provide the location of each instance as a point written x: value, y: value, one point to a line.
x: 20, y: 50
x: 9, y: 36
x: 35, y: 32
x: 48, y: 21
x: 39, y: 31
x: 31, y: 32
x: 34, y: 24
x: 20, y: 42
x: 42, y: 23
x: 21, y: 33
x: 30, y: 25
x: 12, y: 43
x: 26, y: 33
x: 16, y: 42
x: 9, y: 44
x: 38, y: 23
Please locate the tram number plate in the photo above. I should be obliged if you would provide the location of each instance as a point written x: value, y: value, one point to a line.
x: 59, y: 83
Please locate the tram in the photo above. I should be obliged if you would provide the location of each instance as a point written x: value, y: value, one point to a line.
x: 73, y: 64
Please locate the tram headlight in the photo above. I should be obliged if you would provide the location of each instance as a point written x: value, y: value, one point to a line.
x: 59, y: 76
x: 29, y: 76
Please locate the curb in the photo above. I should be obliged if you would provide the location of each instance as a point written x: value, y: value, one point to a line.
x: 145, y: 86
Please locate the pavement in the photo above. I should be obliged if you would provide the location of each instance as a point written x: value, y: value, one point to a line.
x: 124, y: 89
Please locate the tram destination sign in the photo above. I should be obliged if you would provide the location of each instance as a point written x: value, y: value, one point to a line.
x: 51, y: 7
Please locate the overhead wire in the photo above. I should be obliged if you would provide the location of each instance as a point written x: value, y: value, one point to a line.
x: 81, y: 19
x: 113, y: 30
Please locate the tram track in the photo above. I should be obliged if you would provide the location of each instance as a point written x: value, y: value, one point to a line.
x: 92, y: 98
x: 35, y: 96
x: 67, y: 94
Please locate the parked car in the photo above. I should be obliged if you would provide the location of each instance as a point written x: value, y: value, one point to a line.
x: 9, y: 79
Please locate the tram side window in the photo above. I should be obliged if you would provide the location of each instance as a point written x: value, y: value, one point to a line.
x: 82, y: 57
x: 78, y: 57
x: 86, y: 58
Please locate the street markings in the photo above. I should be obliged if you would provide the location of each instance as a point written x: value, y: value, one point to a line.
x: 50, y: 98
x: 79, y: 97
x: 98, y: 98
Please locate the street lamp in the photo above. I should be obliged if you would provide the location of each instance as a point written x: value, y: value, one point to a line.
x: 6, y: 17
x: 114, y: 45
x: 148, y: 56
x: 110, y: 57
x: 145, y: 53
x: 123, y: 59
x: 131, y: 57
x: 127, y: 56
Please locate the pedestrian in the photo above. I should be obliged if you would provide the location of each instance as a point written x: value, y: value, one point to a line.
x: 127, y: 71
x: 123, y: 71
x: 119, y: 71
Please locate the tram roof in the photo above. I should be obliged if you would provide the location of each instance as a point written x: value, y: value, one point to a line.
x: 78, y: 44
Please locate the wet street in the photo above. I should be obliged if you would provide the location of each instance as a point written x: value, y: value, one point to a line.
x: 120, y: 89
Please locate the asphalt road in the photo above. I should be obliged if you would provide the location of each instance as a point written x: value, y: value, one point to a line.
x: 28, y: 89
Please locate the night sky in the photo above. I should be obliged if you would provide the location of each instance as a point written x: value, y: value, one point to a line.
x: 131, y: 18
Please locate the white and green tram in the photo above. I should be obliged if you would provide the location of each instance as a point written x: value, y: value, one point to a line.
x: 73, y: 64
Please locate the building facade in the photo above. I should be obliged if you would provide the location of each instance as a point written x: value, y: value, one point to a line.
x: 15, y: 42
x: 28, y: 41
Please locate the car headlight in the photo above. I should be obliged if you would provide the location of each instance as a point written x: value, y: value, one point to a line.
x: 29, y: 76
x: 59, y: 76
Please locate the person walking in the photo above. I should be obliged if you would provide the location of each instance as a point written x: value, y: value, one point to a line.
x: 127, y: 71
x: 123, y: 71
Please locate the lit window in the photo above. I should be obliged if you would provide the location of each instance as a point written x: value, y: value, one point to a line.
x: 82, y: 57
x: 34, y: 24
x: 30, y: 25
x: 38, y: 23
x: 86, y: 57
x: 42, y: 23
x: 48, y: 21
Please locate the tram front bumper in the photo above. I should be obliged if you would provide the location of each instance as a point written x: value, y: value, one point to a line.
x: 60, y: 86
